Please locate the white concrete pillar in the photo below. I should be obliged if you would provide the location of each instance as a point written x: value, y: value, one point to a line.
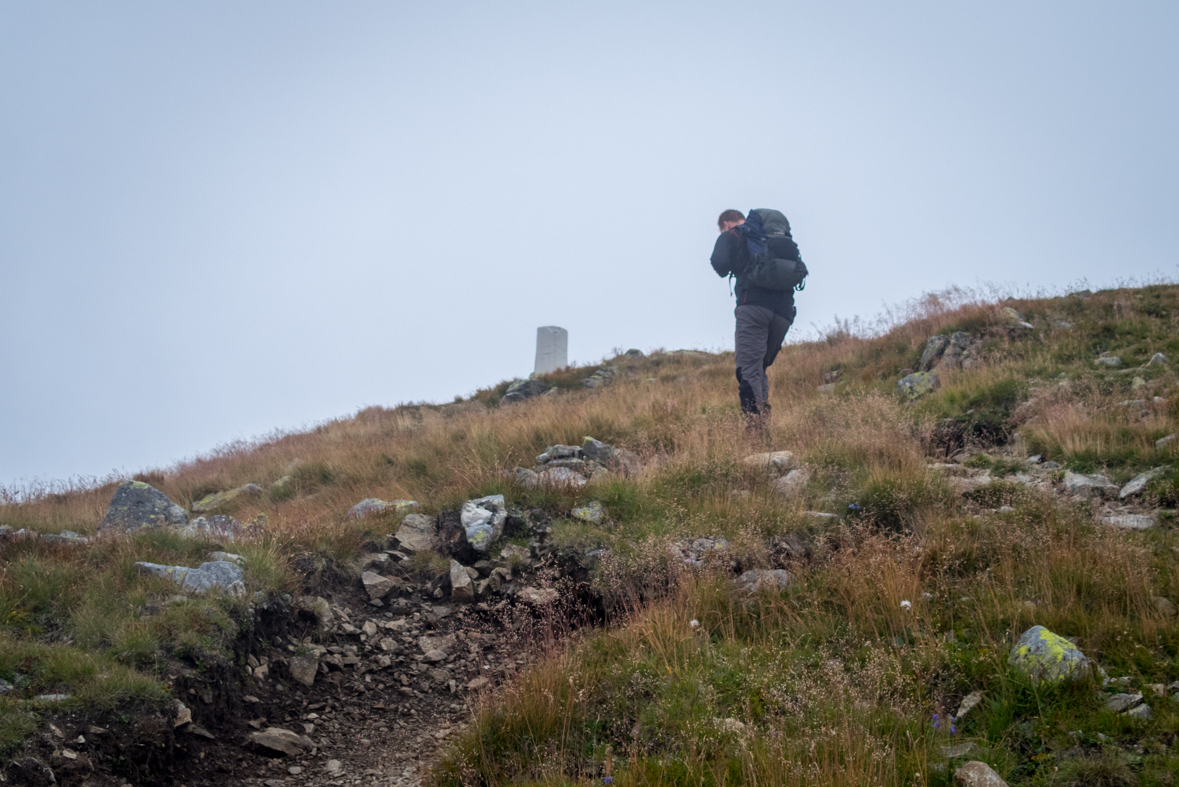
x: 552, y: 349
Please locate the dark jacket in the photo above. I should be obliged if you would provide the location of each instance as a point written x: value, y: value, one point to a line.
x: 729, y: 257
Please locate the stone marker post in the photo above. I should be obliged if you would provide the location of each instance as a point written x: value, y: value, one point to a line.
x: 552, y: 349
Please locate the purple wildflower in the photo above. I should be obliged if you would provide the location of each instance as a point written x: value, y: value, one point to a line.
x: 607, y: 780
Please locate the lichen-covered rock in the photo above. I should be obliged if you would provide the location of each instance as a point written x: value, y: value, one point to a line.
x: 520, y: 390
x: 597, y: 450
x: 1048, y: 657
x: 136, y: 505
x: 600, y: 378
x: 218, y: 574
x: 373, y: 505
x: 483, y: 520
x: 957, y: 354
x: 917, y: 384
x: 591, y: 512
x: 558, y: 452
x: 561, y: 476
x: 219, y: 499
x: 416, y: 533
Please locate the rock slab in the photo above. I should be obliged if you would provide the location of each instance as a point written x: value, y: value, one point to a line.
x: 416, y: 533
x: 217, y: 574
x: 373, y: 505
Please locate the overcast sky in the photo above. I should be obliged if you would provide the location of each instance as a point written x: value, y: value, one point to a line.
x: 219, y: 219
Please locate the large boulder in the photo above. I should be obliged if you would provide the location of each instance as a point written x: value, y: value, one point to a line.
x: 1048, y: 657
x: 223, y: 575
x: 372, y: 505
x: 221, y: 499
x: 483, y: 520
x: 416, y: 533
x: 137, y: 505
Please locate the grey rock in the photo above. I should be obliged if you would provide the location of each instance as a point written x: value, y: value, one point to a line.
x: 1088, y: 485
x: 416, y: 533
x: 791, y: 484
x: 1140, y: 481
x: 561, y: 477
x: 483, y: 520
x: 1140, y: 712
x: 183, y: 715
x: 826, y: 388
x: 520, y: 390
x: 918, y: 384
x: 1120, y: 702
x: 217, y: 527
x: 434, y: 656
x: 977, y: 774
x: 1011, y: 317
x: 214, y: 501
x: 227, y: 556
x: 591, y: 512
x: 1109, y: 360
x: 957, y: 353
x: 1165, y: 607
x: 318, y: 606
x: 1158, y: 359
x: 304, y: 667
x: 597, y: 450
x: 514, y: 553
x: 774, y: 460
x: 762, y: 578
x: 282, y: 741
x: 1045, y: 656
x: 933, y: 352
x: 1163, y: 441
x: 373, y: 505
x: 529, y: 479
x: 694, y: 551
x: 218, y: 574
x: 1129, y: 521
x: 138, y: 505
x: 462, y: 589
x: 5, y: 687
x: 376, y: 586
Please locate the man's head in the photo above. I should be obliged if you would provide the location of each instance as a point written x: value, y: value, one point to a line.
x: 730, y: 219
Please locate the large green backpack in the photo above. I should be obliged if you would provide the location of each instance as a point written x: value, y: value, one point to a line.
x: 774, y: 262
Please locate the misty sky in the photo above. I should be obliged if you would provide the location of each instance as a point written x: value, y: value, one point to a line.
x: 218, y: 219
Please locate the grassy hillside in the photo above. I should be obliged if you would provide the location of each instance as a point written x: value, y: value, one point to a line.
x: 942, y: 546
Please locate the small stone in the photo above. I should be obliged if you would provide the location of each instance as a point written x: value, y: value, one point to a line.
x: 538, y: 596
x: 183, y: 715
x: 1158, y: 359
x: 376, y: 585
x: 295, y: 770
x: 1163, y: 441
x: 1165, y: 607
x: 369, y: 628
x: 434, y: 656
x: 1109, y: 360
x: 977, y: 774
x: 478, y: 683
x: 774, y: 460
x: 334, y: 767
x: 462, y: 590
x: 969, y: 703
x: 371, y: 506
x: 277, y: 739
x: 304, y: 667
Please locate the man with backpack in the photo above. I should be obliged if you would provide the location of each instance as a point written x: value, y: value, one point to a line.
x: 760, y: 253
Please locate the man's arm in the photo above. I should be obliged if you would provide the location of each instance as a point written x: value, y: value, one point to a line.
x: 722, y: 254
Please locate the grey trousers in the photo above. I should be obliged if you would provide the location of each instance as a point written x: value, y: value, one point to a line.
x: 759, y: 337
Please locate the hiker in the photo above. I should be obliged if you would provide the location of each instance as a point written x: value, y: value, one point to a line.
x: 760, y: 253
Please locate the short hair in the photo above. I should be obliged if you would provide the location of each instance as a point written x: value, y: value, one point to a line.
x: 729, y: 215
